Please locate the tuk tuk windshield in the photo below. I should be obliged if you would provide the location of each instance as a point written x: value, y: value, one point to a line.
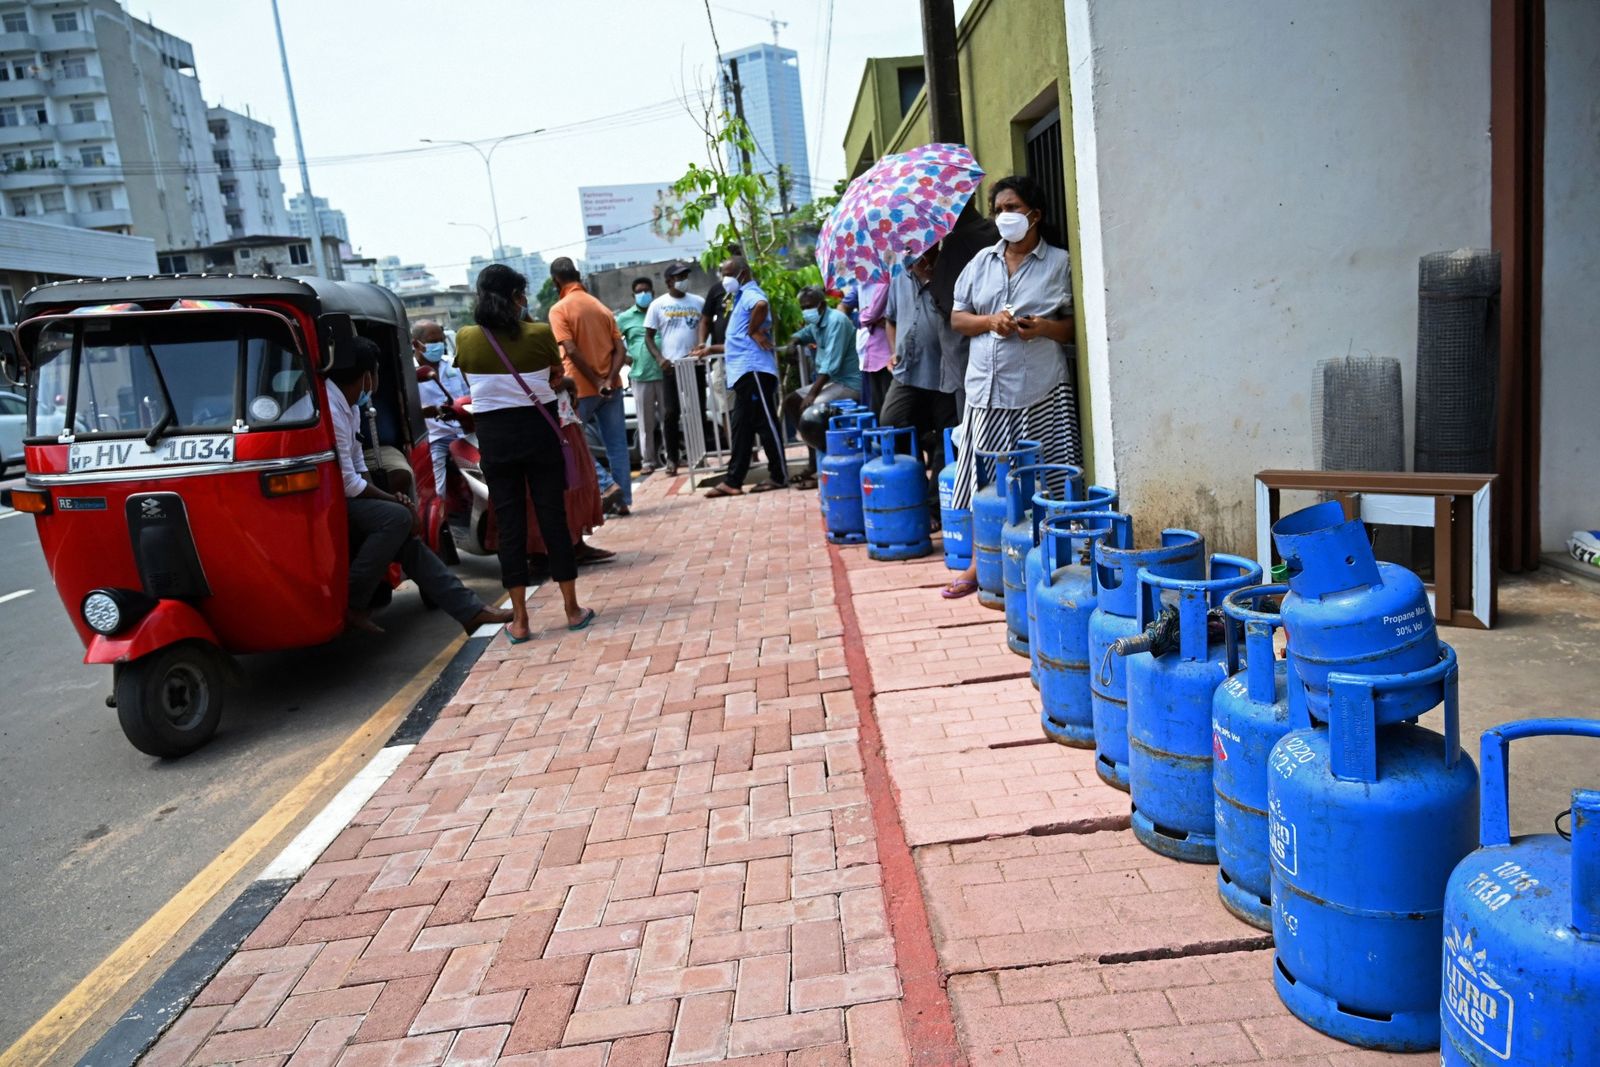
x: 192, y: 372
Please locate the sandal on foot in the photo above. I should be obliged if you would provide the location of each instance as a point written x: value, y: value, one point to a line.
x: 959, y: 588
x: 583, y: 623
x: 765, y: 487
x: 591, y: 554
x: 723, y: 490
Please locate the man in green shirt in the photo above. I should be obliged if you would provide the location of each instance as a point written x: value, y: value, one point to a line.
x: 649, y: 390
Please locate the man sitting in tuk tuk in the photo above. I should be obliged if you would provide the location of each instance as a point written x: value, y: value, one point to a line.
x: 383, y: 524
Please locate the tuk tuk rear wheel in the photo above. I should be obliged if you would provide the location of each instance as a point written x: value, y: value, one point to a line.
x: 170, y: 702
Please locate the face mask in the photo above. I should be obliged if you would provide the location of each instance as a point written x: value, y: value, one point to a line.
x: 641, y: 299
x: 433, y: 351
x: 730, y: 285
x: 1013, y: 225
x: 364, y: 399
x: 811, y: 315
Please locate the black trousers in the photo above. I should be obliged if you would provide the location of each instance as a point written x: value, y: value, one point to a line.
x: 928, y: 411
x: 522, y: 459
x: 674, y: 429
x: 875, y: 390
x: 755, y: 413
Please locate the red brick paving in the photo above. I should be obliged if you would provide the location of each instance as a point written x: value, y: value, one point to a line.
x: 659, y: 842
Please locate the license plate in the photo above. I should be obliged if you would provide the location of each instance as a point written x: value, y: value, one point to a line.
x: 113, y: 455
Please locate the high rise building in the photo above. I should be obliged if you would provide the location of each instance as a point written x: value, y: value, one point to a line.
x: 244, y: 151
x: 330, y: 220
x: 529, y: 264
x: 769, y: 82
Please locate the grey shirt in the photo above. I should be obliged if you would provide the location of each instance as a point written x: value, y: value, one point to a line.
x: 930, y: 355
x: 1009, y: 372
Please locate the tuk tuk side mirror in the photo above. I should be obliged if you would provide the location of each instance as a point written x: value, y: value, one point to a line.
x: 333, y: 329
x: 11, y: 362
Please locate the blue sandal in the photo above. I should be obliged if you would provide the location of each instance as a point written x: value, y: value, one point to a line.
x: 583, y: 623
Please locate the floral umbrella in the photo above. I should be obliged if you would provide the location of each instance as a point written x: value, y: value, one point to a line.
x: 895, y: 212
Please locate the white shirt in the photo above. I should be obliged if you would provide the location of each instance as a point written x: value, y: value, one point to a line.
x: 496, y: 392
x: 450, y: 384
x: 676, y: 320
x: 347, y: 440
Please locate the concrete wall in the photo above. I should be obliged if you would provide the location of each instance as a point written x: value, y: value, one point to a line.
x: 1263, y: 180
x: 1569, y: 457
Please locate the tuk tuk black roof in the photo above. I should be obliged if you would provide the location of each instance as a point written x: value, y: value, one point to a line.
x: 359, y: 300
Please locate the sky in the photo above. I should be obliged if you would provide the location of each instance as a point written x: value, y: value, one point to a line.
x: 374, y: 77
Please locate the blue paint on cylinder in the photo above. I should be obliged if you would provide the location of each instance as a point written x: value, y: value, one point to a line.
x: 1169, y: 714
x: 1056, y: 483
x: 1096, y: 498
x: 839, y: 478
x: 1181, y: 554
x: 1522, y: 928
x: 1350, y: 613
x: 955, y: 523
x: 1365, y: 824
x: 1063, y: 600
x: 894, y: 497
x: 1248, y: 716
x: 989, y: 516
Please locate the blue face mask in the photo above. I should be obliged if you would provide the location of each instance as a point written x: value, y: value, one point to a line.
x: 811, y: 315
x: 641, y: 299
x: 433, y: 351
x: 364, y: 399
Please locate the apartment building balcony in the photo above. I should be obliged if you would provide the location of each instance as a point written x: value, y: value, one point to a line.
x: 18, y: 42
x: 70, y: 132
x: 92, y: 175
x: 27, y: 133
x: 33, y: 178
x: 88, y: 85
x: 109, y: 219
x: 23, y: 89
x: 67, y: 41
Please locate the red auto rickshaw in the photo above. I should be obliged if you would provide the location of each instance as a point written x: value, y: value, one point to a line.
x: 181, y: 470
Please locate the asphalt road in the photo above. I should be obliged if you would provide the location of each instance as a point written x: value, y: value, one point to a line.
x: 95, y: 836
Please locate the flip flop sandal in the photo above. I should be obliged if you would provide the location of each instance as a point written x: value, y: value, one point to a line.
x: 959, y: 588
x: 513, y: 639
x: 723, y: 490
x: 596, y: 555
x: 583, y: 623
x: 765, y: 487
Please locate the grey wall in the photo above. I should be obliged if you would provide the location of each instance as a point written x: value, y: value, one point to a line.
x: 1569, y: 456
x: 614, y: 288
x: 1262, y: 179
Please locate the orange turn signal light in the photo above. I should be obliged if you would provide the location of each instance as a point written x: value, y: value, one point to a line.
x: 301, y: 481
x: 32, y: 501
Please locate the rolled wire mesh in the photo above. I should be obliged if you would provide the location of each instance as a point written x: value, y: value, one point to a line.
x: 1357, y: 414
x: 1458, y: 361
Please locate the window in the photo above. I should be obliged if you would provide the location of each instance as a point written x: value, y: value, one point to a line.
x: 172, y: 264
x: 82, y: 112
x: 53, y: 200
x: 101, y: 200
x: 13, y: 161
x: 75, y: 67
x: 299, y: 255
x: 222, y: 159
x: 41, y: 158
x: 8, y: 116
x: 5, y: 73
x: 21, y: 206
x: 8, y: 305
x: 92, y: 157
x: 244, y: 253
x: 41, y: 117
x: 64, y: 21
x: 1045, y: 165
x: 14, y: 21
x: 12, y: 405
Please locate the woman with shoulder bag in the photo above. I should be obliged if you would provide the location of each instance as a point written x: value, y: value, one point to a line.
x: 516, y: 369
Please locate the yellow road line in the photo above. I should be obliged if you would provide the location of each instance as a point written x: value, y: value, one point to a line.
x: 45, y: 1037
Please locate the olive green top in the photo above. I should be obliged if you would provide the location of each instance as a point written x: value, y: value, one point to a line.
x: 535, y: 349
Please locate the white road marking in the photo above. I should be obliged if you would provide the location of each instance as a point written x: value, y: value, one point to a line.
x: 8, y: 512
x: 331, y: 820
x: 18, y: 595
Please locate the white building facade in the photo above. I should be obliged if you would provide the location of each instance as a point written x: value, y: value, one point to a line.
x: 769, y: 80
x: 331, y: 221
x: 248, y: 179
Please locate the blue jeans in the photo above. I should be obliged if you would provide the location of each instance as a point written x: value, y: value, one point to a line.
x: 608, y: 418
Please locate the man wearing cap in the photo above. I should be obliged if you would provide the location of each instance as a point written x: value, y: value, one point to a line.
x: 671, y: 331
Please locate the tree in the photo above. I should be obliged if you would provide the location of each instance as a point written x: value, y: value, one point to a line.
x: 545, y: 299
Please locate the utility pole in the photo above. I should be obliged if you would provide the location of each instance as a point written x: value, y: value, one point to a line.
x: 783, y: 188
x: 317, y: 256
x: 943, y: 71
x: 744, y: 153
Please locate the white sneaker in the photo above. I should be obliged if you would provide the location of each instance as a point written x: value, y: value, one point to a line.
x: 1585, y: 546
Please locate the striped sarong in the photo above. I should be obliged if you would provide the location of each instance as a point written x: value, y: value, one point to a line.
x: 1052, y: 421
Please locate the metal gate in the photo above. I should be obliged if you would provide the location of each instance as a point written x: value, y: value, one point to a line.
x: 1045, y: 166
x: 691, y: 408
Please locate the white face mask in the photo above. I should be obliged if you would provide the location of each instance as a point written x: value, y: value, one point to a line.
x: 1013, y: 225
x: 730, y: 285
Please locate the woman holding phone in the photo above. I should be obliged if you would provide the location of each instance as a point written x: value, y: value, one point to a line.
x: 1014, y: 300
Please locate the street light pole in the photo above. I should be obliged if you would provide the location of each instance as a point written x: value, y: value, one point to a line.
x: 488, y: 169
x: 487, y: 236
x: 317, y: 256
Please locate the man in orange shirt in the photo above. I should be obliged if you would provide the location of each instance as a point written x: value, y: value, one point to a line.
x: 592, y: 349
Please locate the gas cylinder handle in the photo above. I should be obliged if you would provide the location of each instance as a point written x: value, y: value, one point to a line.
x: 1494, y: 820
x: 1195, y: 597
x: 1261, y: 681
x: 1058, y: 528
x: 1353, y: 715
x: 949, y: 445
x: 1175, y: 542
x: 1032, y: 486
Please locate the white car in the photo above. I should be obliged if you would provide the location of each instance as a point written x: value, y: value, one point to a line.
x: 13, y: 428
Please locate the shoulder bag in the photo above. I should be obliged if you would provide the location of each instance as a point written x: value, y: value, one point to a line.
x: 568, y: 457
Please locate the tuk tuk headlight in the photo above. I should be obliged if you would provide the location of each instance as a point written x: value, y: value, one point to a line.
x: 102, y: 612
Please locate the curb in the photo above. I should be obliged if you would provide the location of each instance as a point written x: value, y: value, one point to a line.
x: 132, y: 1035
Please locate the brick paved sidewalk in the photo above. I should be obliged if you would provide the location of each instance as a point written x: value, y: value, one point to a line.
x: 669, y: 839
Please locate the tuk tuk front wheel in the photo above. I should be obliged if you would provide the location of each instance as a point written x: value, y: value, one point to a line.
x: 170, y: 702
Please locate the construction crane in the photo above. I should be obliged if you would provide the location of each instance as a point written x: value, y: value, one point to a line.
x: 771, y: 19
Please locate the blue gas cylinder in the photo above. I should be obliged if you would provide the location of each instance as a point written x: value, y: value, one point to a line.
x: 955, y: 523
x: 1063, y: 599
x: 839, y: 479
x: 1057, y: 483
x: 1522, y: 928
x: 1248, y: 716
x: 1173, y: 675
x: 1181, y: 554
x: 1365, y: 823
x: 894, y: 496
x: 1348, y: 612
x: 1096, y: 498
x: 989, y: 517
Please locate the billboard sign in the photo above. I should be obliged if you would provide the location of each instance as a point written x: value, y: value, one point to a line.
x: 634, y: 224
